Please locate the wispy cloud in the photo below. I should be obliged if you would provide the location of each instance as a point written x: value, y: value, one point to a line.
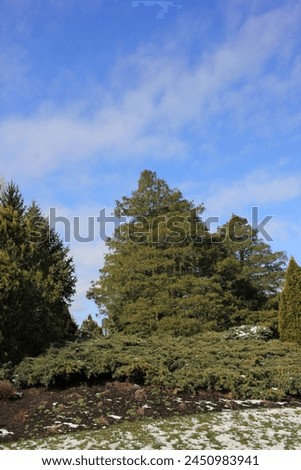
x: 257, y: 189
x: 149, y: 116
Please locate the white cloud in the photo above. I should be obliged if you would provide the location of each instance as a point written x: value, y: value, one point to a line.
x: 283, y: 230
x: 14, y: 68
x: 147, y: 118
x: 46, y: 143
x: 256, y: 189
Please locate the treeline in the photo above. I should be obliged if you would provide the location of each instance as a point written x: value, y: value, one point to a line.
x: 165, y: 274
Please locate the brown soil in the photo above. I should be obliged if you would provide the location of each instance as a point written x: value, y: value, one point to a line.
x: 43, y: 412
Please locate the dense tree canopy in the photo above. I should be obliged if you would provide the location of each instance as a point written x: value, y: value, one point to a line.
x: 166, y: 273
x: 290, y: 304
x: 36, y: 280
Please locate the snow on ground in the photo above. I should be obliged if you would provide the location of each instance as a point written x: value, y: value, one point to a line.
x: 278, y: 428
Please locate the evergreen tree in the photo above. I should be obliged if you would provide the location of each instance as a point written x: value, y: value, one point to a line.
x: 89, y: 329
x: 151, y: 279
x: 12, y: 236
x: 36, y: 280
x: 52, y: 270
x: 166, y: 273
x: 290, y: 304
x: 249, y: 271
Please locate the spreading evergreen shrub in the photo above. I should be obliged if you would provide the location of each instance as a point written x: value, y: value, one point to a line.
x: 246, y: 368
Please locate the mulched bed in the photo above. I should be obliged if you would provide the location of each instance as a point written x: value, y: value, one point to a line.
x: 42, y: 412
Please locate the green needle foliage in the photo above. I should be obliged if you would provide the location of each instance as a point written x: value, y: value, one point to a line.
x: 165, y: 273
x: 36, y: 280
x: 290, y: 304
x: 248, y: 367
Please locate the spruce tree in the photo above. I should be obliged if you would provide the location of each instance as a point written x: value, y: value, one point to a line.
x: 36, y: 280
x: 51, y: 270
x: 12, y: 238
x: 290, y: 304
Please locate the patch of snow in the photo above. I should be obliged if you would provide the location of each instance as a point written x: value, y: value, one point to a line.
x: 250, y: 402
x: 71, y: 425
x: 4, y: 432
x: 275, y: 428
x: 209, y: 407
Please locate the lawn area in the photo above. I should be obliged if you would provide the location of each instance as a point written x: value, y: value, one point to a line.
x: 243, y: 429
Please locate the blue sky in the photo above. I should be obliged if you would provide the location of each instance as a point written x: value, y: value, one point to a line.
x: 207, y: 93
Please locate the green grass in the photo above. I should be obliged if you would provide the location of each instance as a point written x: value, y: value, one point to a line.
x: 274, y: 429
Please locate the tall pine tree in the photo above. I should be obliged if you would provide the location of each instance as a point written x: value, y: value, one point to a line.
x: 290, y: 304
x: 36, y: 280
x: 166, y: 273
x: 154, y: 275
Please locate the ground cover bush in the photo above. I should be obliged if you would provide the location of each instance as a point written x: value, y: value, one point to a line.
x: 7, y: 390
x: 246, y: 368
